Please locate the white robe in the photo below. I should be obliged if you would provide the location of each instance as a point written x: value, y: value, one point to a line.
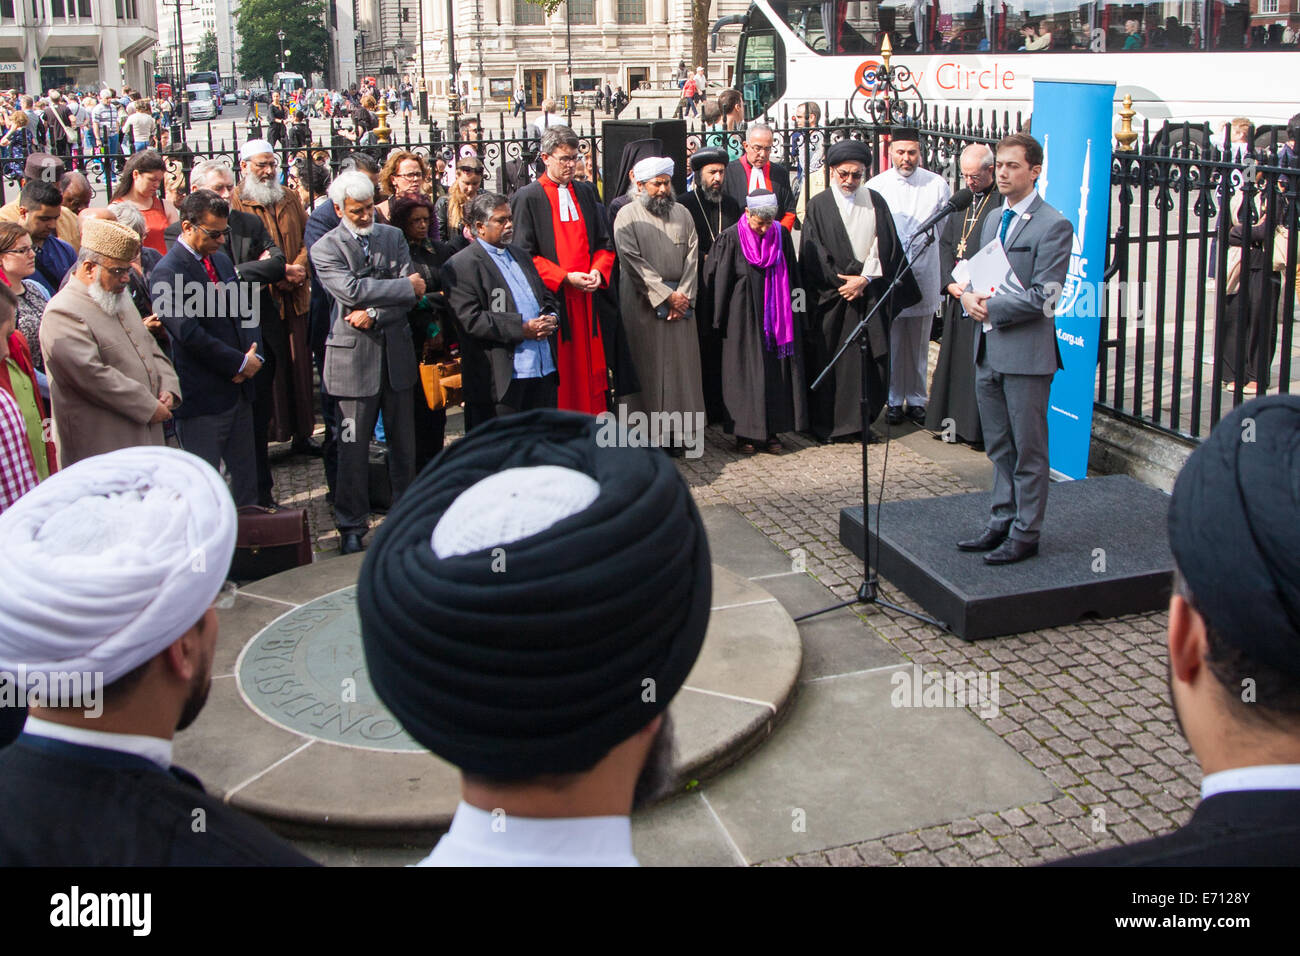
x: 479, y: 838
x: 912, y: 200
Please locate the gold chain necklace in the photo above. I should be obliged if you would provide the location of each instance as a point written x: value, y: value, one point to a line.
x: 969, y: 226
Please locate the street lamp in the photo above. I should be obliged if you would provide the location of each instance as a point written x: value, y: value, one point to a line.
x: 121, y: 71
x: 361, y: 66
x: 283, y: 51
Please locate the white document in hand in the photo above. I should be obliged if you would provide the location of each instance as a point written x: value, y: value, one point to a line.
x: 990, y: 273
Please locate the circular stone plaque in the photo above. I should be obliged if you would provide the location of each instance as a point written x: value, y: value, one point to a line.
x: 306, y: 672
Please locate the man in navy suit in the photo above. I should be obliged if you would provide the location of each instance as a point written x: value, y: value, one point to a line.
x: 1234, y: 644
x: 216, y: 342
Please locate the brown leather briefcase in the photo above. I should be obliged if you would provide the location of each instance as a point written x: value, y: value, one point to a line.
x: 269, y: 541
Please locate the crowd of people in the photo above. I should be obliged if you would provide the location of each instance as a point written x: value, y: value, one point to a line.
x: 199, y: 317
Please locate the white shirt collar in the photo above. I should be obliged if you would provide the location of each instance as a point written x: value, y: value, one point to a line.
x: 1267, y: 777
x: 181, y: 240
x: 480, y: 838
x: 1022, y: 207
x: 151, y: 748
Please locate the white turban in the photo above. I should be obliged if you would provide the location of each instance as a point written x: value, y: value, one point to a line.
x: 652, y: 166
x: 111, y: 560
x: 254, y: 147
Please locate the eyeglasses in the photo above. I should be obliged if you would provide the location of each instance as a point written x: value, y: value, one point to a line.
x: 116, y: 271
x: 565, y: 159
x: 21, y: 252
x: 210, y: 233
x: 415, y: 175
x: 848, y: 175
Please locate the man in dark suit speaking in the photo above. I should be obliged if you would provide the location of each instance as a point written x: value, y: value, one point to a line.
x: 1234, y: 644
x: 1016, y: 353
x: 369, y: 356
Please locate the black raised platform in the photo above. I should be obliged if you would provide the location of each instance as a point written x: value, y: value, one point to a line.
x: 1104, y: 552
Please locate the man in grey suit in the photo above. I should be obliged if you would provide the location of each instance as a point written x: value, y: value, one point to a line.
x: 1016, y: 353
x: 369, y: 356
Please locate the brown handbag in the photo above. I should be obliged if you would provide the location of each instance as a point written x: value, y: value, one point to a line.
x: 270, y: 540
x: 441, y: 381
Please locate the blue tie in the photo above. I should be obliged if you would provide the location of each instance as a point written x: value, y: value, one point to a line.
x: 365, y: 244
x: 1007, y: 216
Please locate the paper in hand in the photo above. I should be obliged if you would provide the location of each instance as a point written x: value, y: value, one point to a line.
x: 990, y: 273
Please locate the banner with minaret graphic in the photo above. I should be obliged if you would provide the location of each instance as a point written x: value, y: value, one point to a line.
x: 1072, y: 119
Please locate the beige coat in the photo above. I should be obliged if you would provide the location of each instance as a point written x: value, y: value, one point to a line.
x: 656, y: 255
x: 105, y: 371
x: 286, y: 221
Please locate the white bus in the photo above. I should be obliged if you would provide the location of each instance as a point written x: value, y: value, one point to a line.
x: 287, y: 83
x: 1197, y: 61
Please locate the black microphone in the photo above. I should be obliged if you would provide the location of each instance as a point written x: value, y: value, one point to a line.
x: 961, y: 199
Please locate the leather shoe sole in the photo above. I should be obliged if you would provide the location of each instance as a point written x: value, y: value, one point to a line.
x: 1012, y: 551
x: 985, y: 542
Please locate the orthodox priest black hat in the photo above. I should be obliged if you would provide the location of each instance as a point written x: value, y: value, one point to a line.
x: 708, y: 157
x: 1234, y: 529
x: 849, y: 151
x: 909, y: 133
x: 536, y: 597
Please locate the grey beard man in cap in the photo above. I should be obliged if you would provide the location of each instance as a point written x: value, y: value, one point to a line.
x: 1234, y: 644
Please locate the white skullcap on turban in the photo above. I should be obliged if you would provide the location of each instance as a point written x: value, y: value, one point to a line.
x: 652, y: 166
x: 509, y: 506
x: 254, y: 147
x: 109, y: 561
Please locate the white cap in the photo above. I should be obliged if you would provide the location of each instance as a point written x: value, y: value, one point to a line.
x: 511, y: 505
x: 652, y: 166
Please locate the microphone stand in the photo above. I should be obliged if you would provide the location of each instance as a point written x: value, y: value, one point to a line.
x: 869, y: 589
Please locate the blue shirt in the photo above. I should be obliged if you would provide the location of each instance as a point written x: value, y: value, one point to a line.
x: 532, y: 357
x: 53, y: 261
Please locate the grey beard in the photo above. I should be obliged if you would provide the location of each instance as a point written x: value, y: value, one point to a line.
x: 658, y: 205
x: 656, y: 779
x: 358, y: 232
x: 110, y: 302
x: 263, y: 193
x: 711, y: 194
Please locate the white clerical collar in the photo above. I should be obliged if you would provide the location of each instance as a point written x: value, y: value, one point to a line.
x: 757, y: 177
x: 501, y: 253
x: 480, y: 838
x: 1267, y: 777
x: 151, y: 748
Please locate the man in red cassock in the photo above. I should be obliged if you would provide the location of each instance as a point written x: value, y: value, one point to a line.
x: 562, y: 226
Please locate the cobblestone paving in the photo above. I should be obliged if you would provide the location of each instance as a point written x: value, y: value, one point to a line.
x: 1085, y: 704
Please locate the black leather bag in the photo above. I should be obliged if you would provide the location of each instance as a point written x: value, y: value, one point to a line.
x: 268, y: 541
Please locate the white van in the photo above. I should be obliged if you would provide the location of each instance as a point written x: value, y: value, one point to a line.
x: 200, y: 102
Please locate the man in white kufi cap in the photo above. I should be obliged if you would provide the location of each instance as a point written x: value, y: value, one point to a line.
x: 108, y: 572
x: 658, y: 253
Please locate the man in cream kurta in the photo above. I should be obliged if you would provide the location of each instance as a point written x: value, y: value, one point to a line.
x: 657, y: 246
x: 913, y: 195
x: 111, y: 386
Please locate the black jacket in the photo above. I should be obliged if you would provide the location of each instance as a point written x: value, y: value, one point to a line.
x: 736, y: 185
x: 471, y: 282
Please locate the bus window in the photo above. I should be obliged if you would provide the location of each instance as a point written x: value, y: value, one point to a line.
x: 762, y: 65
x: 1150, y: 27
x: 1047, y: 26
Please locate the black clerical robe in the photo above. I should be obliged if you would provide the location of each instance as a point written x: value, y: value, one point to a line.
x: 825, y: 253
x: 65, y: 804
x: 952, y: 391
x: 764, y: 394
x: 711, y: 220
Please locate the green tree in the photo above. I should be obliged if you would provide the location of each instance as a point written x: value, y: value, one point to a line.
x: 304, y: 35
x: 207, y: 57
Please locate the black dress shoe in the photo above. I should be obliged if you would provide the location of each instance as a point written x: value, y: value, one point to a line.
x: 989, y: 540
x: 308, y: 446
x: 270, y: 503
x: 894, y: 415
x: 351, y: 544
x: 917, y: 415
x: 1012, y: 551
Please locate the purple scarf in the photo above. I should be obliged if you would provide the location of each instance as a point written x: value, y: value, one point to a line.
x: 766, y: 252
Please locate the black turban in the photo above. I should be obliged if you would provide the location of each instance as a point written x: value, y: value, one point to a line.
x: 849, y: 151
x: 708, y: 157
x: 1234, y: 529
x: 909, y: 133
x: 633, y: 153
x: 544, y: 666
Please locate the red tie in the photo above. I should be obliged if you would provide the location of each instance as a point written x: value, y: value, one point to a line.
x: 210, y: 269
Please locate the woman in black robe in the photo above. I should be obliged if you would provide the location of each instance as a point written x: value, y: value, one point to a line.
x: 432, y: 331
x: 753, y: 277
x: 1254, y: 300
